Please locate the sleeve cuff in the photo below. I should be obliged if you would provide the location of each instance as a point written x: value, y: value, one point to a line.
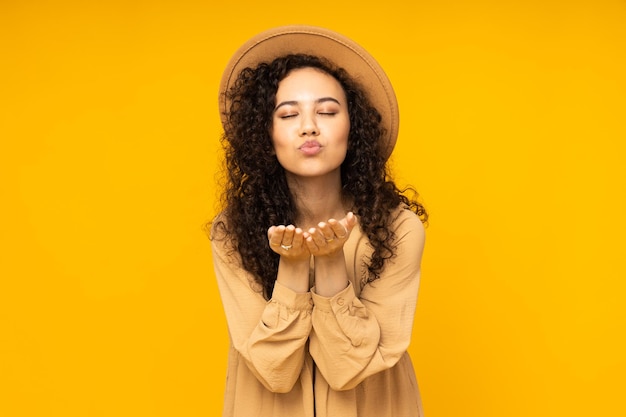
x: 337, y: 301
x: 291, y: 299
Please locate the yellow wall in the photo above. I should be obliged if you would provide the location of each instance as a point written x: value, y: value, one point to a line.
x: 512, y: 127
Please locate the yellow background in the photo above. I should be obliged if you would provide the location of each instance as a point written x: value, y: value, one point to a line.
x: 512, y: 128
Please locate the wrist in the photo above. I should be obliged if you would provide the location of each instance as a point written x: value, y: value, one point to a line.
x: 294, y: 273
x: 331, y: 275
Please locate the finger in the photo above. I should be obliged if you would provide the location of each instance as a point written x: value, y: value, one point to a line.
x: 326, y: 231
x: 338, y: 229
x: 351, y: 220
x: 298, y: 237
x: 276, y: 235
x: 316, y: 236
x: 288, y: 235
x: 310, y: 243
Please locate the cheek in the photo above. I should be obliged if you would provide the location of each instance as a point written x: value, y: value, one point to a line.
x: 347, y: 134
x: 277, y: 141
x: 280, y: 145
x: 275, y: 137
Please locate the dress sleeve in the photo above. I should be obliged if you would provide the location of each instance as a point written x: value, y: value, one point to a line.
x: 355, y: 337
x: 269, y: 335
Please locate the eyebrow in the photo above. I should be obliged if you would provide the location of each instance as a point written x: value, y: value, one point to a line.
x: 318, y: 101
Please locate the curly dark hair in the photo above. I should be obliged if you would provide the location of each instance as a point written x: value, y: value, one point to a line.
x: 256, y: 195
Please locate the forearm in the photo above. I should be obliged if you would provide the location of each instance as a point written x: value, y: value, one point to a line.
x: 269, y: 335
x: 353, y: 339
x: 275, y: 349
x: 356, y: 337
x: 345, y: 339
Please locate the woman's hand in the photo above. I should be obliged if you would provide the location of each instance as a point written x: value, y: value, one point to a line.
x: 325, y: 242
x: 329, y: 237
x: 288, y: 242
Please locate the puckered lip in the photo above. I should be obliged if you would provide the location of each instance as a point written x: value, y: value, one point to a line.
x: 310, y: 144
x: 310, y: 147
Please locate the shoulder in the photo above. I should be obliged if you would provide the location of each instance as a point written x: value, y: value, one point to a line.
x: 408, y: 229
x: 408, y: 240
x: 402, y: 217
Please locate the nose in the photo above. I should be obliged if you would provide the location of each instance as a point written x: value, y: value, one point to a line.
x: 308, y: 126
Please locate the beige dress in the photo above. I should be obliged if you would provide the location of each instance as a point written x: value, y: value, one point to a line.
x: 303, y: 355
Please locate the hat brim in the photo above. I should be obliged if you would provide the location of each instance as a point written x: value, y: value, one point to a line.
x: 338, y: 49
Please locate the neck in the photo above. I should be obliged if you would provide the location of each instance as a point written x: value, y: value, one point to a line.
x: 317, y: 199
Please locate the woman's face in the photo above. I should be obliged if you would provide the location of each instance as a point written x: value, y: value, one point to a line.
x: 311, y: 124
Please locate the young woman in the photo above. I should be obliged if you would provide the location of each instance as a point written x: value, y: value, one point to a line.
x: 317, y: 252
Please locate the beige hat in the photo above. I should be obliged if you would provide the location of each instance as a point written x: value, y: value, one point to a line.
x: 325, y: 43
